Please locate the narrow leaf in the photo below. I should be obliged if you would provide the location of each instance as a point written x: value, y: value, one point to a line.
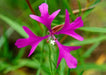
x: 14, y: 25
x: 79, y: 4
x: 93, y: 29
x: 8, y: 34
x: 88, y: 41
x: 90, y: 50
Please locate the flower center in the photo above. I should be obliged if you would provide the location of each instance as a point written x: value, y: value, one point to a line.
x: 51, y: 39
x: 52, y: 42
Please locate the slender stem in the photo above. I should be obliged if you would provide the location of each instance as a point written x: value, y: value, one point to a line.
x: 63, y: 38
x: 68, y: 71
x: 33, y: 13
x: 50, y: 59
x: 45, y: 1
x: 79, y: 7
x: 42, y: 52
x: 30, y: 6
x: 54, y: 59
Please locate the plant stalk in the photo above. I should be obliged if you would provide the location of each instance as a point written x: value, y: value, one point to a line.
x: 50, y: 61
x: 33, y: 13
x: 68, y: 71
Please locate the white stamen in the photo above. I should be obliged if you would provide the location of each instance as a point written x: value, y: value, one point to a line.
x: 52, y: 42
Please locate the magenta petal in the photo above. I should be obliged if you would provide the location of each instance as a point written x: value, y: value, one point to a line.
x: 33, y: 48
x: 32, y: 40
x: 67, y: 19
x: 69, y: 28
x: 59, y: 60
x: 77, y: 23
x: 37, y: 18
x: 53, y: 15
x: 20, y: 43
x: 75, y: 35
x: 45, y: 18
x: 44, y: 10
x: 29, y: 32
x: 72, y: 33
x: 64, y: 52
x: 70, y: 60
x: 71, y: 48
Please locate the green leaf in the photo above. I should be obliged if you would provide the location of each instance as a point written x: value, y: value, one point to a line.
x: 8, y: 34
x: 31, y: 63
x: 38, y: 72
x: 62, y: 67
x: 93, y: 29
x: 90, y: 50
x: 96, y: 1
x: 89, y: 41
x: 21, y: 63
x: 6, y: 46
x: 92, y: 66
x: 14, y: 25
x: 86, y: 13
x: 3, y: 65
x: 52, y: 5
x: 45, y: 68
x: 21, y: 53
x: 79, y: 4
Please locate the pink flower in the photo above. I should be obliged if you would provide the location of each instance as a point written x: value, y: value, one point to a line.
x: 45, y: 18
x: 68, y: 28
x: 32, y: 40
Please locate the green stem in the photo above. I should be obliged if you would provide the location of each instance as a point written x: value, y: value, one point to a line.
x: 29, y: 5
x: 68, y: 71
x: 50, y: 59
x: 54, y: 64
x: 42, y: 49
x: 79, y: 4
x: 45, y: 1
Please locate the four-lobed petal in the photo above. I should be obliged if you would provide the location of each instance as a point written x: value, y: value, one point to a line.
x: 32, y: 40
x: 45, y: 18
x: 64, y: 52
x: 69, y: 28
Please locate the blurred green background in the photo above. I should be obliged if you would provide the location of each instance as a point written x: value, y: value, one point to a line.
x: 91, y: 57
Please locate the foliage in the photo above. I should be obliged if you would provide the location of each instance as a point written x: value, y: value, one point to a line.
x: 15, y: 14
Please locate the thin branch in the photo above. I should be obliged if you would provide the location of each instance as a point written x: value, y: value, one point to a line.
x: 30, y: 7
x: 65, y: 36
x: 82, y: 10
x: 33, y: 12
